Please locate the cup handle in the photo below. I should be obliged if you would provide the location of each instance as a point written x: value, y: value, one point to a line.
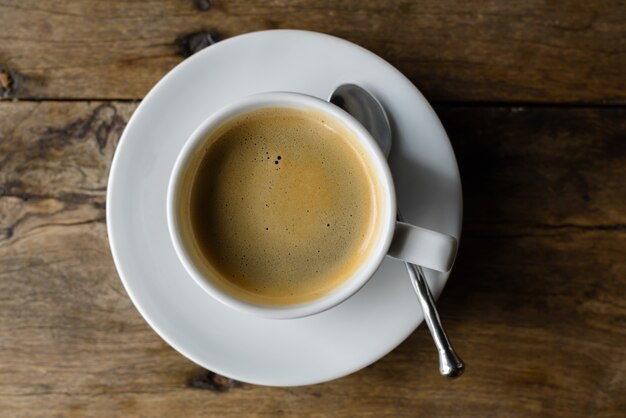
x: 423, y: 247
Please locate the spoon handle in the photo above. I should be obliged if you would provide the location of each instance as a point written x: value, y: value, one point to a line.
x: 450, y: 364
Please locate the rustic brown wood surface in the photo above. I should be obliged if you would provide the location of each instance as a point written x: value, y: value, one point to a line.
x: 535, y: 304
x: 539, y: 51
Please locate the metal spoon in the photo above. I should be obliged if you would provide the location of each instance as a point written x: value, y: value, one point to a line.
x: 366, y: 109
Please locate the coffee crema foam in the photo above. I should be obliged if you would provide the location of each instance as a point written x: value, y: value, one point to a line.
x: 280, y: 206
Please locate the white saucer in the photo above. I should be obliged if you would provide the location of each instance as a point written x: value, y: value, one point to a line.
x: 265, y: 351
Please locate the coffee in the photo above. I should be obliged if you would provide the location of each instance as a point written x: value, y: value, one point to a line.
x: 280, y: 206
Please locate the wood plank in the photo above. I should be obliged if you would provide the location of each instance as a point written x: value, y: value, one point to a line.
x: 555, y: 167
x: 495, y: 51
x: 535, y: 304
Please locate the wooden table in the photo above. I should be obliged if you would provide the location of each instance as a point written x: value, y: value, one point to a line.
x: 533, y: 95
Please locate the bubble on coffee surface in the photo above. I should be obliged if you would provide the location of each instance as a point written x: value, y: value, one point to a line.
x: 296, y: 206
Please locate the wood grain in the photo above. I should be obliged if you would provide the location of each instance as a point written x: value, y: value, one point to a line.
x: 489, y: 51
x: 535, y: 304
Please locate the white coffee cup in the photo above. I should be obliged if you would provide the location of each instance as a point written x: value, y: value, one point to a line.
x: 400, y: 240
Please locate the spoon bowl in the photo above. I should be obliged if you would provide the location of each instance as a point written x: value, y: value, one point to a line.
x: 365, y: 108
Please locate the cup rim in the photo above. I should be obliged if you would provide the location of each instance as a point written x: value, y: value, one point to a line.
x: 368, y: 143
